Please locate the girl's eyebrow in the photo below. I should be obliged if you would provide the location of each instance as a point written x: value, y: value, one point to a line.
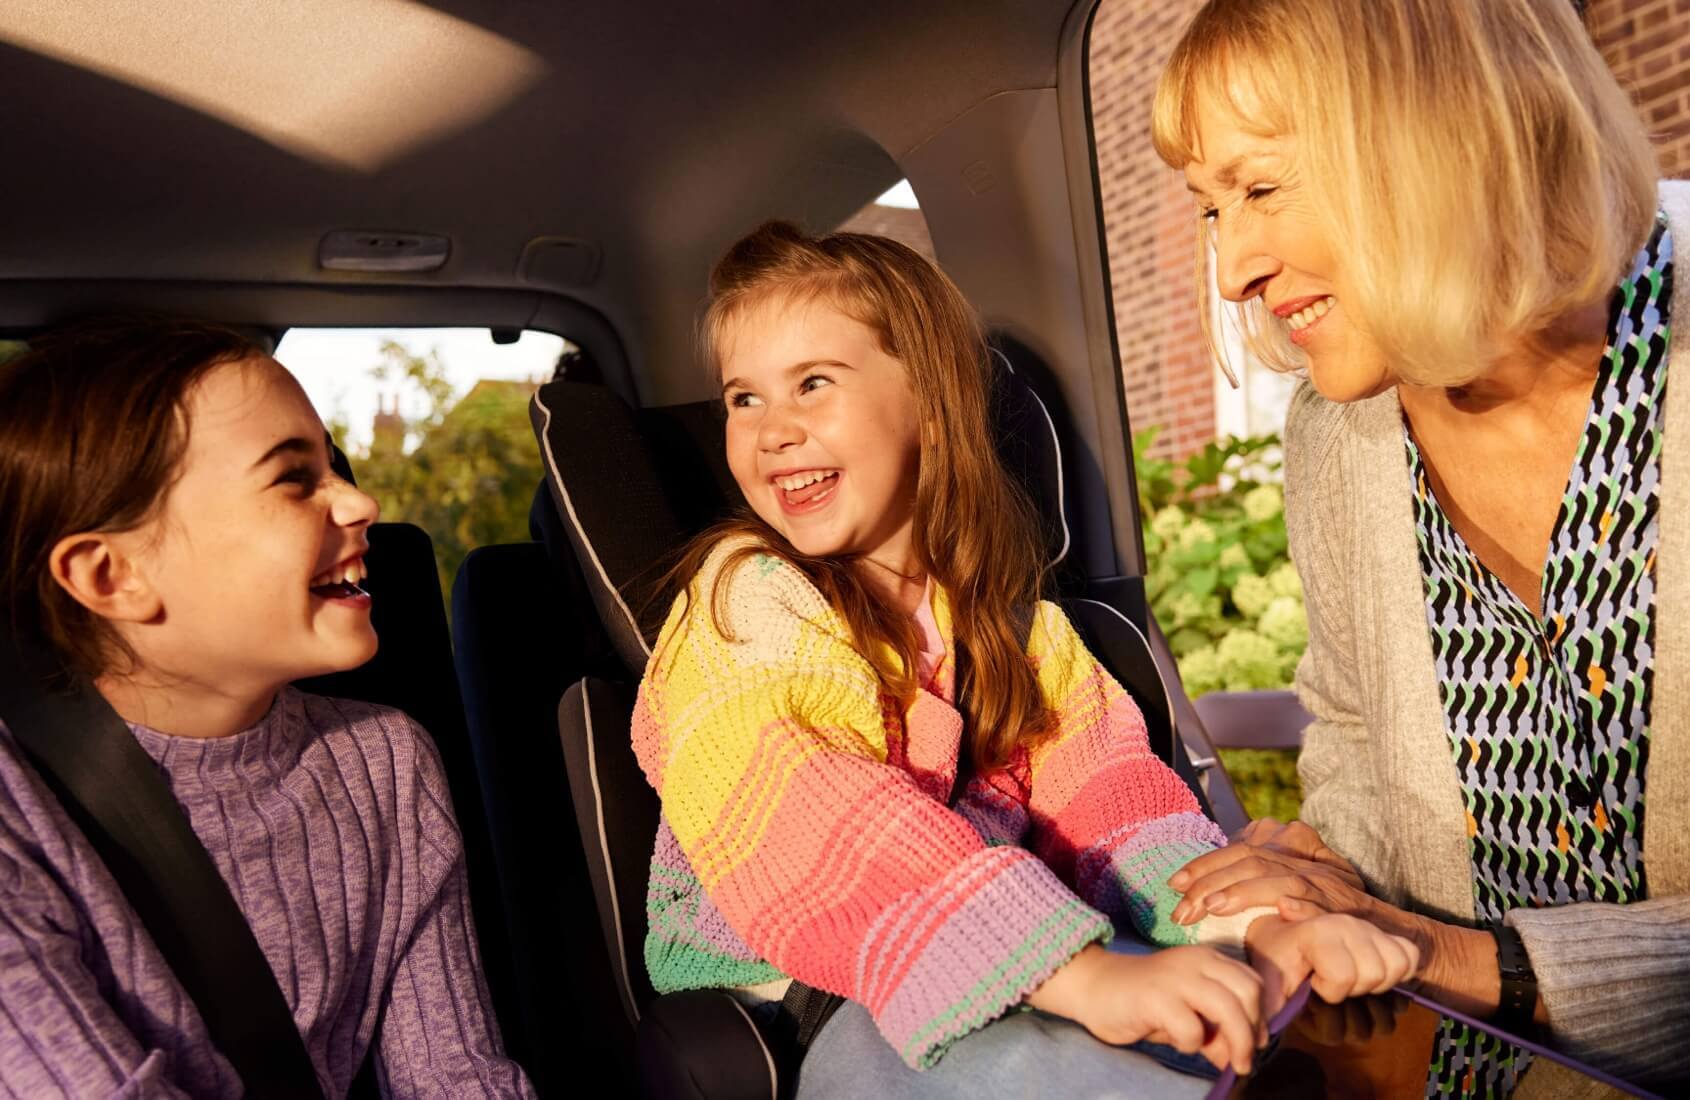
x: 795, y: 368
x: 292, y: 445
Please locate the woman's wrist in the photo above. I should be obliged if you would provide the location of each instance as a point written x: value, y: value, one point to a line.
x: 1459, y: 967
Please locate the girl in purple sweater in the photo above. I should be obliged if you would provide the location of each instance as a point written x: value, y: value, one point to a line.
x: 174, y: 532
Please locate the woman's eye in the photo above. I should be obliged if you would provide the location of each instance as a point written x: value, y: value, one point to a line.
x: 1208, y: 213
x: 1261, y: 191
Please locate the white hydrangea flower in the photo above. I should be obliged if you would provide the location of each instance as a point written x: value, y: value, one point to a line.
x: 1196, y: 533
x: 1200, y: 671
x: 1264, y: 502
x: 1249, y: 662
x: 1284, y: 581
x: 1286, y: 623
x: 1251, y: 595
x: 1168, y: 522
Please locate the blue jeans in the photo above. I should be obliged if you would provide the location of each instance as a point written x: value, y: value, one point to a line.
x: 1021, y: 1054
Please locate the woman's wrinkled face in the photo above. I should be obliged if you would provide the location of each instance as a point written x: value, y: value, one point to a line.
x: 823, y: 430
x: 257, y: 552
x: 1272, y: 241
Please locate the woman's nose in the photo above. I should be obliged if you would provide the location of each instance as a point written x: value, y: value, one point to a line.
x: 1242, y: 264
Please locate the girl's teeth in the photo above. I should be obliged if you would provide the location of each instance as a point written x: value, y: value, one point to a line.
x: 798, y: 481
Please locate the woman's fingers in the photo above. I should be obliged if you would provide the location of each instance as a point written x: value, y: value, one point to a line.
x: 1266, y: 886
x: 1247, y: 866
x: 1208, y: 863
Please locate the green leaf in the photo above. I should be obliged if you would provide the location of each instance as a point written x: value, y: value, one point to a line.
x: 1200, y: 582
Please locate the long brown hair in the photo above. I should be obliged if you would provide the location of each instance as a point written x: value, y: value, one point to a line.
x: 975, y: 532
x: 92, y: 439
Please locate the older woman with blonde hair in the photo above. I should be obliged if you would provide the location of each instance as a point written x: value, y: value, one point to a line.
x: 1447, y: 213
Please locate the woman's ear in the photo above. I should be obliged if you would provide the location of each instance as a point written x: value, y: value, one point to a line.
x: 101, y: 575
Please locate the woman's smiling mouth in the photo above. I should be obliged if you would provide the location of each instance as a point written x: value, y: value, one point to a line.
x: 1303, y: 315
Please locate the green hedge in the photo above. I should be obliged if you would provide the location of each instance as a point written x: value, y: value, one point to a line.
x: 1221, y: 584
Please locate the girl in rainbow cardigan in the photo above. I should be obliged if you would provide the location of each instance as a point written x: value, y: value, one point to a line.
x: 800, y: 720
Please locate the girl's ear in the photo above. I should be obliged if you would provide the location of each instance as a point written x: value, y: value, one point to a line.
x: 100, y: 575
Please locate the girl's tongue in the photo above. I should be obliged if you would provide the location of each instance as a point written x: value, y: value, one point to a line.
x: 811, y: 491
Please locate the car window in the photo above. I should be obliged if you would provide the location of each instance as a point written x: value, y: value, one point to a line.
x: 896, y: 214
x: 435, y: 424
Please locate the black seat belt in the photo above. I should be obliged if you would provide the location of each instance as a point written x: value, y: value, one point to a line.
x: 113, y: 791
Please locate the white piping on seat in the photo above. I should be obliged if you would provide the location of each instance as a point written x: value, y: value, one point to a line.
x: 604, y: 850
x: 580, y: 532
x: 774, y: 1079
x: 1061, y: 505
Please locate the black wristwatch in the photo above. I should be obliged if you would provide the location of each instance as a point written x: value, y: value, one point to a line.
x: 1519, y: 981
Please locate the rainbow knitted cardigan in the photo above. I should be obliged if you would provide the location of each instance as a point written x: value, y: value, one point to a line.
x: 805, y: 831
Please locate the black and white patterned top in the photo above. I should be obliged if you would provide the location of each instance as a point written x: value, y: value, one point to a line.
x: 1548, y: 715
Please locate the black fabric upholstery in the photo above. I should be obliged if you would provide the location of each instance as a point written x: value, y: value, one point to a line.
x: 617, y: 812
x: 701, y: 1045
x: 519, y: 624
x: 612, y: 499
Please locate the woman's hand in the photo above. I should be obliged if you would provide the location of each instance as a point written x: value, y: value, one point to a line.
x: 1265, y: 862
x: 1191, y: 998
x: 1347, y: 956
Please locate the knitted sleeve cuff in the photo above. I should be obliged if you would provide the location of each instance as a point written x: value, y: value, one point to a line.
x: 1615, y: 980
x: 944, y: 961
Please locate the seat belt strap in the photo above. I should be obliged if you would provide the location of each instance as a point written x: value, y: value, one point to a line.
x: 111, y: 789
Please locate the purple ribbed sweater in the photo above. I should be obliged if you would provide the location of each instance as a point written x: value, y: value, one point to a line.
x: 330, y: 822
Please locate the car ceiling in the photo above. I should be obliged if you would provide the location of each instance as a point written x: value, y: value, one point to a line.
x: 658, y: 133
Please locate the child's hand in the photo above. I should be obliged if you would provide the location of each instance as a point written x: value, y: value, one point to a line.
x: 1191, y: 998
x: 1347, y: 956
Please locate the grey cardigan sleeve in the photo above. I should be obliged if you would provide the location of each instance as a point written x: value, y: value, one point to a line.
x: 1339, y: 797
x: 1615, y: 980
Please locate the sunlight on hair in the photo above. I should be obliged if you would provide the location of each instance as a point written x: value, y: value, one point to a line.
x: 353, y: 84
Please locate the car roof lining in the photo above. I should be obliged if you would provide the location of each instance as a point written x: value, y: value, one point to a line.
x: 656, y: 133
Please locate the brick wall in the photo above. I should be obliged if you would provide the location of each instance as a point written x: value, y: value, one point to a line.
x: 1147, y: 214
x: 1647, y: 44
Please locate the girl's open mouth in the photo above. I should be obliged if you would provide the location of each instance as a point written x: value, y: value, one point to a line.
x: 343, y: 584
x: 808, y: 491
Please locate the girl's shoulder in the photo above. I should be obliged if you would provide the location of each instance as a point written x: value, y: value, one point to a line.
x: 747, y: 582
x: 383, y: 736
x: 747, y: 605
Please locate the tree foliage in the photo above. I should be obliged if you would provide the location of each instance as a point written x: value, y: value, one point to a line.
x: 464, y: 471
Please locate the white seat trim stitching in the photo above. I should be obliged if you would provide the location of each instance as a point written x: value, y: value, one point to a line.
x: 604, y: 850
x: 581, y: 532
x: 774, y: 1079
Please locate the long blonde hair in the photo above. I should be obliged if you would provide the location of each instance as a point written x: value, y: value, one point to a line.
x: 975, y: 532
x: 1482, y: 172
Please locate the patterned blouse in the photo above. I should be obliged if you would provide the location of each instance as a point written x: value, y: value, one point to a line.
x: 1549, y: 715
